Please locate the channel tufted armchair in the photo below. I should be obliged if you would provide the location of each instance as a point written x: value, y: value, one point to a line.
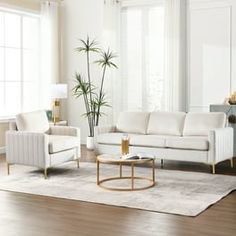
x: 31, y: 141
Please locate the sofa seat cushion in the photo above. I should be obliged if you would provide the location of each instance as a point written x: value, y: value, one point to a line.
x: 58, y: 143
x: 133, y: 122
x: 110, y: 138
x: 166, y: 123
x: 148, y: 140
x: 190, y: 143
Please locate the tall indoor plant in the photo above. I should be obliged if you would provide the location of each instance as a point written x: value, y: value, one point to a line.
x: 93, y: 96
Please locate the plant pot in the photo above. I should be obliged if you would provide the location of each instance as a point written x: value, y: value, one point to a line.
x: 90, y: 143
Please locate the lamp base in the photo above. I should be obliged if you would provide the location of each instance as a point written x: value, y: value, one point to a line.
x: 56, y: 119
x: 56, y: 111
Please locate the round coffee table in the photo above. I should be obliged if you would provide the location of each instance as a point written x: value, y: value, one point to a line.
x: 115, y: 159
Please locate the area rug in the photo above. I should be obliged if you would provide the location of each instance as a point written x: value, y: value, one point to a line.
x: 176, y: 192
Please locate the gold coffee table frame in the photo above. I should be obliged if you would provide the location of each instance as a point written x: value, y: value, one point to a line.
x: 109, y: 159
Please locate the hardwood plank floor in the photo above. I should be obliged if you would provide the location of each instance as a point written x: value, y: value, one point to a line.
x: 32, y: 215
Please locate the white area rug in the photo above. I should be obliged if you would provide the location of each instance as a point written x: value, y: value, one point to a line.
x: 176, y: 192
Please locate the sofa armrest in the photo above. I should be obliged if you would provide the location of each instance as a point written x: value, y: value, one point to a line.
x: 221, y: 145
x: 104, y: 129
x: 64, y: 130
x: 27, y: 148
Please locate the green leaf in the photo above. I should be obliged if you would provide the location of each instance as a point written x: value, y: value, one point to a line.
x: 106, y: 59
x: 88, y: 46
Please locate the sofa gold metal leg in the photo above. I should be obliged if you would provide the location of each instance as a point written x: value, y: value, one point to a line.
x: 45, y: 173
x: 8, y: 169
x: 77, y: 160
x: 162, y: 163
x: 213, y: 169
x: 232, y: 162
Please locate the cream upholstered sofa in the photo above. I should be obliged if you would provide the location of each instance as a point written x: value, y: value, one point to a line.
x: 196, y: 137
x: 31, y: 141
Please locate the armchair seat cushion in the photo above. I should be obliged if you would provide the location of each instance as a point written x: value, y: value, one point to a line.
x: 58, y: 143
x: 191, y: 143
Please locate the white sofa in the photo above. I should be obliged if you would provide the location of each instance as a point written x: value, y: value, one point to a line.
x: 31, y: 141
x: 196, y: 137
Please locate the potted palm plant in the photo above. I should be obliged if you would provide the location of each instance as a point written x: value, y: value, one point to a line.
x: 93, y: 96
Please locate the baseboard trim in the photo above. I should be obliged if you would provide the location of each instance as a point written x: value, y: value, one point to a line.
x: 2, y: 150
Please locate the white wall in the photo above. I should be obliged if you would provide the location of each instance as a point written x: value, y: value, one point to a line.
x: 79, y: 19
x: 212, y: 52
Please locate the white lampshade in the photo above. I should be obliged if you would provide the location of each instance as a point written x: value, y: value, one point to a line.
x: 59, y: 91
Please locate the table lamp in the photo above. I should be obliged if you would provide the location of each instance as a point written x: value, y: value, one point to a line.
x: 58, y: 91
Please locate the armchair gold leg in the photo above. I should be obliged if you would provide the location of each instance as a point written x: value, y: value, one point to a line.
x: 232, y: 162
x: 45, y: 173
x: 213, y: 169
x: 77, y: 160
x: 8, y: 169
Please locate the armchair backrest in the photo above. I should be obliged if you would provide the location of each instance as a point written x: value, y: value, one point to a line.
x: 35, y: 121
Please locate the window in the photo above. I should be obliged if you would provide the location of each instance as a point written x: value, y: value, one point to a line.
x: 142, y: 49
x: 19, y: 62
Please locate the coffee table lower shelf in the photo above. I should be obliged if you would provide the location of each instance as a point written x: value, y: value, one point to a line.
x: 132, y: 178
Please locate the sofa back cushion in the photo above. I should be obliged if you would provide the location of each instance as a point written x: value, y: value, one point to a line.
x: 133, y: 122
x: 166, y: 123
x: 202, y: 123
x: 36, y: 121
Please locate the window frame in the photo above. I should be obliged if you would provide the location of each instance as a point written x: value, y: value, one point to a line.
x: 22, y: 14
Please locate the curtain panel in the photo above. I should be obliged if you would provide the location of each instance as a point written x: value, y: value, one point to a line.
x: 111, y: 40
x: 50, y: 49
x: 175, y: 59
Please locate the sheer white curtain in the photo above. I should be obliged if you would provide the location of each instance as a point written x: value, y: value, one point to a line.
x: 174, y: 72
x: 111, y: 34
x: 152, y: 53
x: 142, y: 43
x: 49, y: 49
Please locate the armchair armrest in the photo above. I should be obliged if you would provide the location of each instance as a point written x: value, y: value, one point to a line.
x: 27, y: 148
x: 221, y: 145
x: 64, y: 130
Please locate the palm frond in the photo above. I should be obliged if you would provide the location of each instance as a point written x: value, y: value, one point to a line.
x: 88, y: 46
x: 81, y: 87
x: 106, y: 59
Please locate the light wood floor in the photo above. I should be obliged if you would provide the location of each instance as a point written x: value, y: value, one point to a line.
x: 32, y: 215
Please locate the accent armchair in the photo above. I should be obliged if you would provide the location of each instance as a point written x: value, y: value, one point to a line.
x: 31, y: 141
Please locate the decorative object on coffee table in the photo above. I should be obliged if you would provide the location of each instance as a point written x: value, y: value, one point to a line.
x: 116, y: 159
x: 125, y: 144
